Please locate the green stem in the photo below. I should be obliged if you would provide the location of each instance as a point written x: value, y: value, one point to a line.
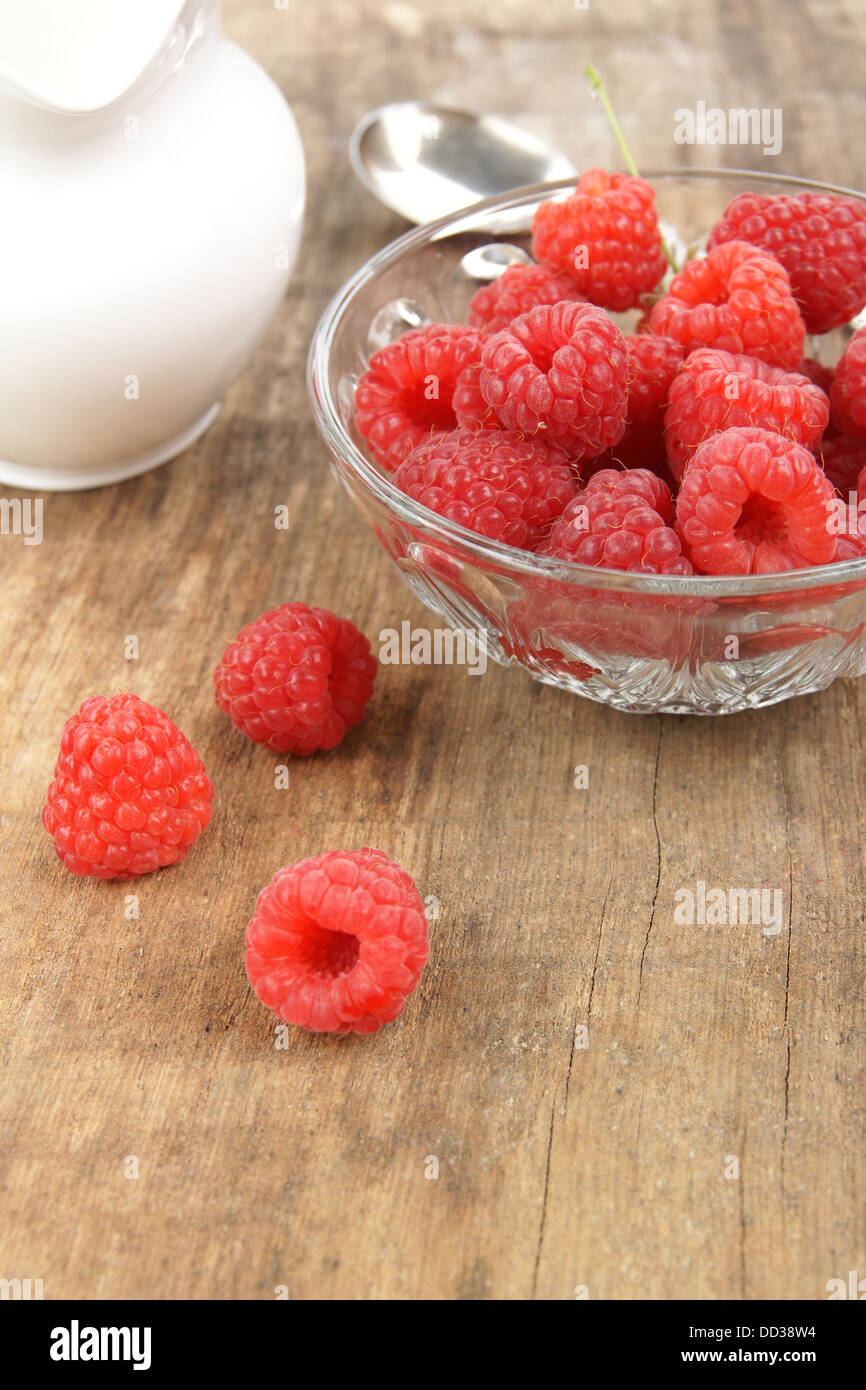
x: 597, y: 85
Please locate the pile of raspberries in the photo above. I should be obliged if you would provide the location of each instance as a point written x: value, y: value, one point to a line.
x: 337, y: 942
x: 703, y: 443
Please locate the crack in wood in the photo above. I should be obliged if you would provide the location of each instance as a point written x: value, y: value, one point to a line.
x: 543, y: 1221
x: 658, y: 864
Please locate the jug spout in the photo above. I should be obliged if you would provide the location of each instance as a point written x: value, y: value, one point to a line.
x: 81, y: 57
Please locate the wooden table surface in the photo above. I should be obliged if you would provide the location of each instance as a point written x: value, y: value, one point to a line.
x: 708, y: 1142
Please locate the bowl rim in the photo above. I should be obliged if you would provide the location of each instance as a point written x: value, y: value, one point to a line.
x: 347, y: 454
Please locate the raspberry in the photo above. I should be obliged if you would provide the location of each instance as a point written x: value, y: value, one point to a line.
x: 605, y: 237
x: 653, y: 364
x: 851, y: 540
x: 819, y: 238
x: 495, y: 482
x: 517, y: 290
x: 620, y: 521
x: 843, y: 459
x: 296, y: 679
x: 716, y: 391
x: 822, y: 377
x: 852, y: 545
x: 407, y: 389
x: 650, y: 457
x: 849, y: 547
x: 130, y: 793
x: 737, y: 298
x: 469, y: 405
x: 818, y: 374
x: 337, y: 943
x: 754, y: 502
x: 640, y: 481
x: 561, y: 368
x: 848, y: 393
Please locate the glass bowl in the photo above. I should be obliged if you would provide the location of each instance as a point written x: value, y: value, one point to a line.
x: 644, y: 643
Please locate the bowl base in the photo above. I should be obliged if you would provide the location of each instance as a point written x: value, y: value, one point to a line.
x: 650, y: 686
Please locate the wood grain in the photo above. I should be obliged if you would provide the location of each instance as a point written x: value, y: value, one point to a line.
x: 599, y: 1167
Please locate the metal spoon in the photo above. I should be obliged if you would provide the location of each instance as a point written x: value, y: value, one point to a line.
x: 426, y: 161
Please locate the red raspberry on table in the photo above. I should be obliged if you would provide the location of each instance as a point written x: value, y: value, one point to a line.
x: 563, y: 369
x: 653, y: 364
x: 717, y: 390
x: 820, y: 239
x: 754, y: 502
x: 337, y: 943
x: 605, y: 237
x: 842, y: 459
x: 297, y: 679
x: 620, y: 521
x: 406, y: 392
x: 736, y: 298
x: 848, y: 393
x: 499, y: 483
x: 517, y: 290
x: 130, y: 793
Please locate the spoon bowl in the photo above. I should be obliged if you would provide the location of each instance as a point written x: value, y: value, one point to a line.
x: 426, y: 161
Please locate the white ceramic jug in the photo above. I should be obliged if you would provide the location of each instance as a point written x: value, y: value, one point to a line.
x: 152, y: 185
